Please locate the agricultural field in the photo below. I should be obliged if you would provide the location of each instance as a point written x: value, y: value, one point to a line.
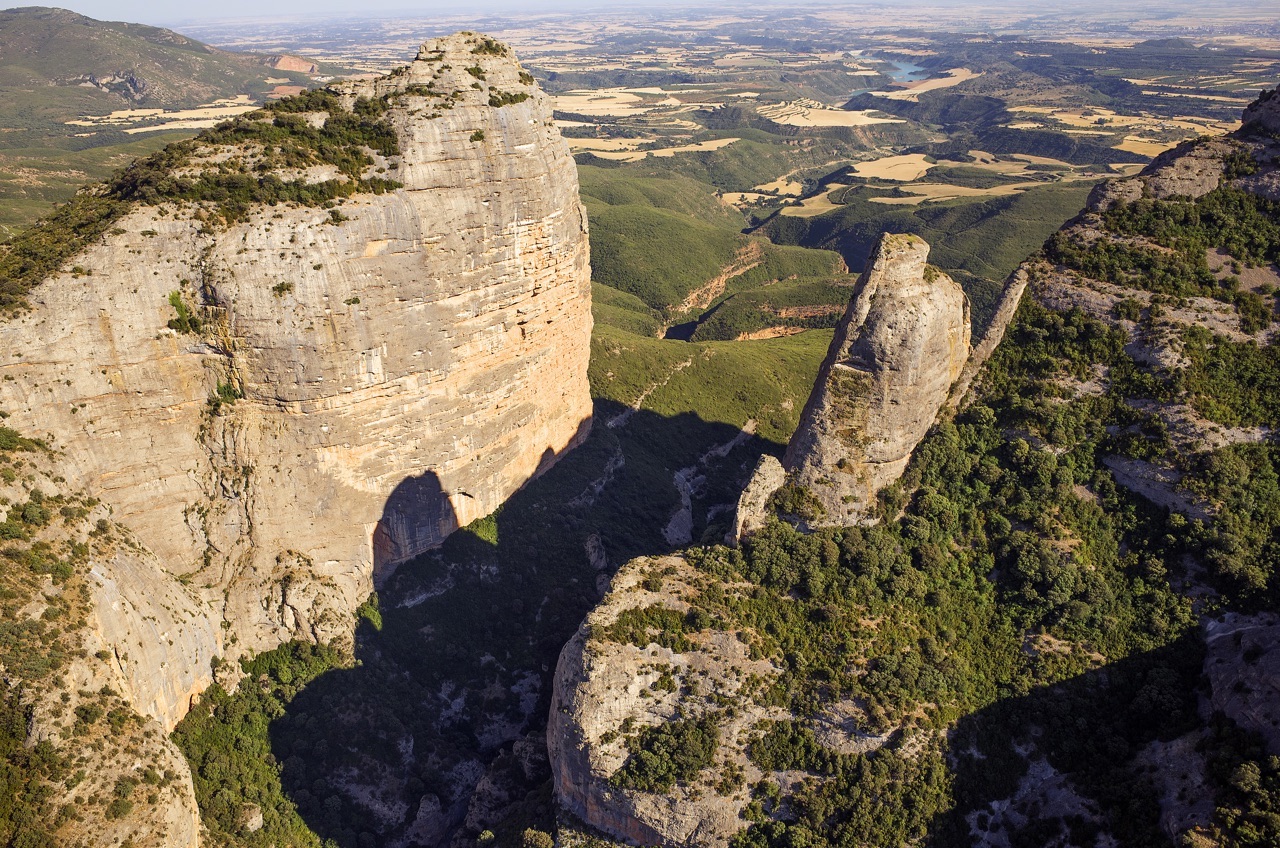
x: 735, y: 181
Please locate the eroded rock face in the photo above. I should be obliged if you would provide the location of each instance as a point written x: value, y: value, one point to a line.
x: 404, y: 367
x: 1190, y: 170
x: 901, y: 345
x: 1242, y: 665
x: 751, y: 513
x: 1264, y: 113
x: 607, y: 691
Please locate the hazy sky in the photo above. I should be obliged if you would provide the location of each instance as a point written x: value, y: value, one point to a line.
x: 150, y: 12
x: 175, y: 13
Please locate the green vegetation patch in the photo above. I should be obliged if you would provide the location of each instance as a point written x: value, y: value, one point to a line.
x: 1243, y: 225
x: 40, y: 250
x: 227, y: 741
x: 673, y: 192
x: 624, y: 311
x: 723, y: 382
x: 12, y: 440
x: 657, y: 255
x: 1232, y: 383
x: 1247, y: 811
x: 667, y: 754
x: 1241, y: 546
x: 655, y: 624
x: 25, y: 775
x: 801, y: 304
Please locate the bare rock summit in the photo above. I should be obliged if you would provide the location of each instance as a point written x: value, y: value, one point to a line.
x: 902, y: 343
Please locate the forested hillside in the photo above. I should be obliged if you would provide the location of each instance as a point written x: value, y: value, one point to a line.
x: 1061, y: 630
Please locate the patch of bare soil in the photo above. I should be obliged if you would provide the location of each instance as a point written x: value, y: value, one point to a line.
x: 769, y: 333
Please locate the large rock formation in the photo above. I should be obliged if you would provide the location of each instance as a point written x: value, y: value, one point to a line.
x: 752, y: 512
x: 361, y: 383
x: 1263, y: 114
x: 902, y: 343
x: 608, y: 691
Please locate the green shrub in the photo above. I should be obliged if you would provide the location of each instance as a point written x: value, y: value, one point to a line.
x: 185, y: 322
x: 667, y: 754
x: 227, y: 742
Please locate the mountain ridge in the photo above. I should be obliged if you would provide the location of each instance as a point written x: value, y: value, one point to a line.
x: 1061, y: 627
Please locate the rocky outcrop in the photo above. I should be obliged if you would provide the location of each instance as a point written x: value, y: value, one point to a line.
x: 1192, y: 169
x: 1242, y: 667
x: 751, y: 513
x: 294, y: 64
x: 606, y: 692
x: 1263, y: 114
x: 1006, y: 308
x: 899, y: 348
x: 364, y: 379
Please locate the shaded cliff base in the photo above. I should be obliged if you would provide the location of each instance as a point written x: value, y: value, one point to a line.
x: 432, y: 738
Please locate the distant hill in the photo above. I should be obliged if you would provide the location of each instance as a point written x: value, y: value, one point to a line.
x: 57, y: 66
x: 115, y: 64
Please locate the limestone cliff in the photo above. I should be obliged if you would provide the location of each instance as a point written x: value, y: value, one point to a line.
x: 282, y: 402
x: 900, y: 346
x: 752, y: 511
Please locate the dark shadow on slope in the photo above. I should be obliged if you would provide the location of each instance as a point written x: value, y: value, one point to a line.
x: 456, y: 684
x: 682, y: 331
x: 1056, y: 766
x: 418, y: 515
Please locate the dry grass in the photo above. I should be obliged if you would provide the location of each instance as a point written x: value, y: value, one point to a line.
x: 811, y: 113
x: 664, y: 152
x: 200, y: 117
x: 1144, y: 146
x: 815, y: 205
x: 782, y: 185
x: 905, y: 168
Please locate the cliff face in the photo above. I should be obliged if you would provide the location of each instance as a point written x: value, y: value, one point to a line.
x: 363, y: 380
x: 901, y: 345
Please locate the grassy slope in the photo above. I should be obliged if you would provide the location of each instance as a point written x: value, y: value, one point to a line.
x: 657, y: 239
x: 757, y: 309
x: 723, y: 382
